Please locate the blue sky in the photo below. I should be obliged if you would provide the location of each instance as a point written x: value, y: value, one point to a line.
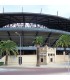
x: 63, y: 10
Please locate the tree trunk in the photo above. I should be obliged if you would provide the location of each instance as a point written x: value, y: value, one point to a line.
x: 6, y: 59
x: 38, y: 63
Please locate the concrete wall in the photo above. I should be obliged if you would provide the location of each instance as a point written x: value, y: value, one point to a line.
x: 62, y: 58
x: 48, y: 59
x: 49, y: 52
x: 32, y: 59
x: 43, y: 50
x: 2, y: 59
x: 26, y: 60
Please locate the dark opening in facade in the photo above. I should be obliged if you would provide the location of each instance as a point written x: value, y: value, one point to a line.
x: 27, y: 52
x: 41, y: 59
x: 58, y: 52
x: 20, y: 60
x: 51, y: 59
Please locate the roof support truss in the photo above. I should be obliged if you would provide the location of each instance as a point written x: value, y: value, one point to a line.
x: 9, y: 35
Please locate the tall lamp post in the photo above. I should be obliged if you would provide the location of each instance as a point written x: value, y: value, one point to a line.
x: 68, y: 61
x: 20, y: 58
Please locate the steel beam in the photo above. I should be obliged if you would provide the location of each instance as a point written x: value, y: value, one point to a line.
x: 24, y: 21
x: 54, y: 42
x: 48, y: 37
x: 9, y: 35
x: 22, y: 38
x: 36, y: 34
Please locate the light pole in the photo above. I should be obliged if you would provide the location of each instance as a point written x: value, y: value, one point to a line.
x: 68, y: 62
x: 20, y: 58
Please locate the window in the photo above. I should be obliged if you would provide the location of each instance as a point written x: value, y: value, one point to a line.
x: 51, y: 59
x: 51, y: 54
x: 48, y: 54
x: 41, y: 59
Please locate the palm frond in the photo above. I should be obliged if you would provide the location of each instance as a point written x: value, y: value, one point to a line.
x: 7, y: 46
x: 63, y: 41
x: 38, y: 40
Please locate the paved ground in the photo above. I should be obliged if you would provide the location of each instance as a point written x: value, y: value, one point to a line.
x: 50, y: 69
x: 32, y: 71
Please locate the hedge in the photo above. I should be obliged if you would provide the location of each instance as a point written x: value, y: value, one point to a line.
x: 1, y: 63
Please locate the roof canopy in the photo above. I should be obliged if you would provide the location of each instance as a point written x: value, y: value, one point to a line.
x: 50, y: 21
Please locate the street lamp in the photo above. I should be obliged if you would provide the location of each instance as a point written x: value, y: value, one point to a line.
x: 20, y: 58
x: 68, y: 61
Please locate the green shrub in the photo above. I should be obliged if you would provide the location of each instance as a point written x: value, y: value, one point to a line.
x: 1, y: 63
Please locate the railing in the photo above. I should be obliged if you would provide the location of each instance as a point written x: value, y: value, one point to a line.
x: 62, y: 48
x: 27, y: 48
x: 34, y: 48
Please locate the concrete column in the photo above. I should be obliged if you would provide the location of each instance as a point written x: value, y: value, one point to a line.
x: 64, y: 55
x: 55, y: 55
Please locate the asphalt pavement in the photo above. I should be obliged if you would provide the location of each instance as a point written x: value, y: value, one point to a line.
x: 49, y: 69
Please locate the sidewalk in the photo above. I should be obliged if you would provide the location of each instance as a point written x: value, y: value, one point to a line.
x: 62, y: 68
x: 65, y: 73
x: 51, y: 65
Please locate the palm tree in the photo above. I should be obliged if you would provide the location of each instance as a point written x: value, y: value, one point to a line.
x: 8, y: 47
x: 63, y: 41
x: 38, y: 42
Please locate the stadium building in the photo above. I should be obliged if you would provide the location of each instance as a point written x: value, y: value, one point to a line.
x: 28, y: 26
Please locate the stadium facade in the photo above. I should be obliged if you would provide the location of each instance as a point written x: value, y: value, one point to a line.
x: 28, y: 26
